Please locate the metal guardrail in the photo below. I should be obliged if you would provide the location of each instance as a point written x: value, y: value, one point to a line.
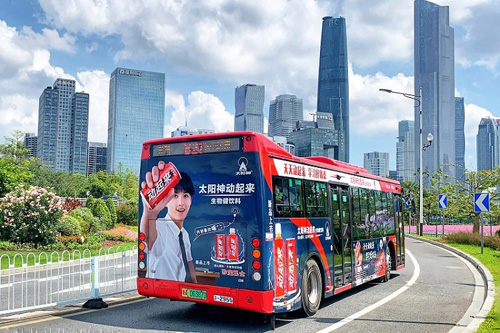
x: 66, y: 277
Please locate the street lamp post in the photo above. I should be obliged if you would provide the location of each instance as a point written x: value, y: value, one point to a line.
x: 430, y: 137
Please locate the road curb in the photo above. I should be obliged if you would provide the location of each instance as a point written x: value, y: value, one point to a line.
x: 489, y: 290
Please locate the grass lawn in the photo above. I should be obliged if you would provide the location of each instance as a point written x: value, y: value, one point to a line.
x: 491, y: 259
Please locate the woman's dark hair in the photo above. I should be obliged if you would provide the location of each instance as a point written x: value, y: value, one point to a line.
x: 185, y: 184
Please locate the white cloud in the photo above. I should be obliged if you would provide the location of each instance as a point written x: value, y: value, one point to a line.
x: 25, y: 70
x: 373, y: 112
x: 202, y: 111
x: 96, y: 84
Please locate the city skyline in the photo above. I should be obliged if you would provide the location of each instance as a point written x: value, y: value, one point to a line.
x: 202, y: 69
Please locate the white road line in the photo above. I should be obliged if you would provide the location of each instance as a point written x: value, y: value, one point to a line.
x: 372, y: 307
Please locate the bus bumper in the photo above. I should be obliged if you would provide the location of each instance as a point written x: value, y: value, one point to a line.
x: 257, y: 301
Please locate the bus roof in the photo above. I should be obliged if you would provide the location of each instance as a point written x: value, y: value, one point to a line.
x: 274, y: 150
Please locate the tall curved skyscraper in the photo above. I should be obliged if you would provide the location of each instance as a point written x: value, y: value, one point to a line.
x: 333, y: 83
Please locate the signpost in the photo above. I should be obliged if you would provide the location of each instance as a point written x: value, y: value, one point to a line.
x: 443, y: 204
x: 481, y: 205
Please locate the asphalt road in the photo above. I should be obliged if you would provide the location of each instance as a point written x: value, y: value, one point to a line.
x: 431, y: 294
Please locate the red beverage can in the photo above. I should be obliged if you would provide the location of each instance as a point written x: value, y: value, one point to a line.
x: 169, y: 177
x: 233, y: 253
x: 220, y: 246
x: 280, y: 267
x: 291, y: 256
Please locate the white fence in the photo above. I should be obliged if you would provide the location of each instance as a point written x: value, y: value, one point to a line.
x: 65, y: 277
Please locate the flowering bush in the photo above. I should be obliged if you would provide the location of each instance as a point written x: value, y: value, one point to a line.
x: 30, y: 216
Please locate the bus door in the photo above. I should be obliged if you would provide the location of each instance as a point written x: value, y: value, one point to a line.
x: 342, y: 238
x: 399, y: 225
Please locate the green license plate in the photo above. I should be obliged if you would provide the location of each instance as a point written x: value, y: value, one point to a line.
x: 193, y: 293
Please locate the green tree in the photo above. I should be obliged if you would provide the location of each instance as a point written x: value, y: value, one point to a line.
x: 90, y: 202
x: 100, y: 211
x: 112, y: 211
x: 14, y: 146
x: 461, y: 194
x: 88, y: 222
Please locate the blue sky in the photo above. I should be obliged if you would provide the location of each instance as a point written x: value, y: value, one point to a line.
x: 207, y: 48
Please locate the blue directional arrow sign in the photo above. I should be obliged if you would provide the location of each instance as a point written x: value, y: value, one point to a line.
x: 481, y: 202
x: 407, y: 203
x: 443, y: 201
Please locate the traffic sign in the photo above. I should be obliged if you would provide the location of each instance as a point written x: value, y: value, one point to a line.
x: 443, y: 201
x: 481, y: 202
x: 407, y: 203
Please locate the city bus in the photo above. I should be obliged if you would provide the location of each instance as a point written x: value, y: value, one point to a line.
x: 232, y: 219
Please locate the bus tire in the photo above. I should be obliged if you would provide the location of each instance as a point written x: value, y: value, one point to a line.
x: 388, y: 266
x: 312, y: 288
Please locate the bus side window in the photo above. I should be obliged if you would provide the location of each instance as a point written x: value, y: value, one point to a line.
x: 322, y: 199
x: 311, y: 199
x: 296, y: 198
x: 281, y: 197
x: 356, y: 218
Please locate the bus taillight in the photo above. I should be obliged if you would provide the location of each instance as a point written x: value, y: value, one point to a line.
x: 256, y: 254
x: 142, y: 255
x: 255, y: 242
x: 142, y: 237
x: 256, y: 265
x: 142, y: 246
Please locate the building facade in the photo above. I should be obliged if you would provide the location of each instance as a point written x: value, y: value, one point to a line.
x: 284, y: 112
x: 460, y: 139
x: 435, y: 74
x: 249, y: 108
x: 333, y: 83
x: 377, y: 163
x: 63, y: 116
x: 30, y: 143
x: 311, y: 138
x: 136, y: 114
x: 405, y: 151
x: 96, y: 157
x: 488, y: 144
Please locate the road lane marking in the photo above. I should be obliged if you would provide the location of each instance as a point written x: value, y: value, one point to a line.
x: 73, y: 312
x: 372, y: 307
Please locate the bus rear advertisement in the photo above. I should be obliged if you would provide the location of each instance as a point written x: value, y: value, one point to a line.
x: 232, y: 219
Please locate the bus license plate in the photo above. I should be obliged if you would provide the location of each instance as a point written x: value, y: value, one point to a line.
x: 223, y: 299
x: 193, y: 293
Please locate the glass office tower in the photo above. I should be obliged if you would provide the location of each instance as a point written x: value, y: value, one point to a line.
x: 333, y: 84
x: 284, y: 112
x: 377, y: 163
x: 460, y: 139
x: 488, y: 144
x: 63, y: 127
x: 435, y: 73
x: 405, y: 151
x: 136, y: 114
x: 249, y: 108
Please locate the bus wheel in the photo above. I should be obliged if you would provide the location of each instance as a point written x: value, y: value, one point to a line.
x: 312, y: 288
x: 388, y: 266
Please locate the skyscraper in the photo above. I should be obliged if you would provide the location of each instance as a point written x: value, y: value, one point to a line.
x: 136, y: 114
x: 435, y: 74
x: 488, y: 144
x: 284, y: 112
x: 96, y: 160
x: 249, y: 108
x: 459, y: 139
x: 333, y: 84
x: 377, y: 163
x: 63, y: 127
x: 30, y: 143
x: 405, y: 151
